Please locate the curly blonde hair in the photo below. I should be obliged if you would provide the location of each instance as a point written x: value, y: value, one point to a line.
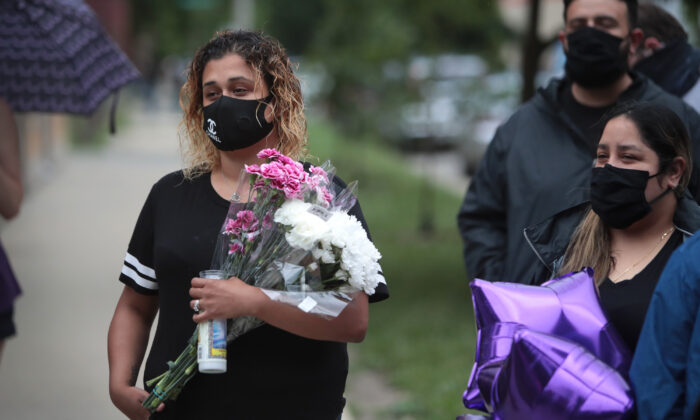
x: 270, y: 63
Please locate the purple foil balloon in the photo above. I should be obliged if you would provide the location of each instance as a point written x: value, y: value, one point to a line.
x: 546, y: 377
x: 493, y: 347
x: 473, y: 417
x: 566, y: 307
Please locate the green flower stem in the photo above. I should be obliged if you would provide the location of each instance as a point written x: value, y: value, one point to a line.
x: 170, y: 383
x: 156, y: 379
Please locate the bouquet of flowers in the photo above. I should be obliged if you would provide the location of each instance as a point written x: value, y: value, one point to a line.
x: 296, y: 241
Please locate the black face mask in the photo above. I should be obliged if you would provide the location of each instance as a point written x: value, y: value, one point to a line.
x: 233, y: 124
x: 594, y: 58
x: 617, y: 195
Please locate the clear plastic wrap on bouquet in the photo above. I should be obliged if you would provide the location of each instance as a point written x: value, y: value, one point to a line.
x: 303, y: 287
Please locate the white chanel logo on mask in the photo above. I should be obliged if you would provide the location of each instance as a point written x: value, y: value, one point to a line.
x: 212, y: 126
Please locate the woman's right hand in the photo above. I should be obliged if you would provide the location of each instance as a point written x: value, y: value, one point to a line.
x: 126, y: 344
x: 128, y: 400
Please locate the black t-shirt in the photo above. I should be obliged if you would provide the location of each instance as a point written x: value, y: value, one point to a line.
x: 626, y: 302
x: 586, y: 119
x: 270, y: 373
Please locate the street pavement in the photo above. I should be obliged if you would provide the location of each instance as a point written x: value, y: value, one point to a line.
x: 67, y: 247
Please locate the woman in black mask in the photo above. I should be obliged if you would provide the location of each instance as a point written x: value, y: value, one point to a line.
x: 636, y: 217
x: 241, y: 96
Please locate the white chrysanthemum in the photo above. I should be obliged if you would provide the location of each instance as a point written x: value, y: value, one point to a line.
x: 342, y: 238
x: 359, y: 257
x: 324, y: 252
x: 306, y: 228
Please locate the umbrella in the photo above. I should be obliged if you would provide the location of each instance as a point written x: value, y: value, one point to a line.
x: 55, y: 57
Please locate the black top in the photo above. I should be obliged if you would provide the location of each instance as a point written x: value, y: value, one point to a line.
x: 586, y: 118
x: 270, y: 373
x: 626, y: 302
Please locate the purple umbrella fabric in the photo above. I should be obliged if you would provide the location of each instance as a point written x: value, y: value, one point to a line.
x: 567, y: 307
x: 55, y: 57
x: 546, y: 377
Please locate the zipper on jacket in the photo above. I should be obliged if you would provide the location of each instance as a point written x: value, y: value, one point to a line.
x: 539, y: 257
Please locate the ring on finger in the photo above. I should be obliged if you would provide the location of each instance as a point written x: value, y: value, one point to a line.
x: 196, y: 305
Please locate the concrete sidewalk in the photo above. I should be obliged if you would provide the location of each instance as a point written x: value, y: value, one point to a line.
x: 67, y: 247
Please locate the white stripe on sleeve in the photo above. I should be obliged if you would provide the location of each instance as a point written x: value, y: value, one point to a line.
x: 148, y: 271
x: 133, y: 275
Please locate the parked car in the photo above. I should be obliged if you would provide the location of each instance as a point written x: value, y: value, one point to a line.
x: 439, y: 116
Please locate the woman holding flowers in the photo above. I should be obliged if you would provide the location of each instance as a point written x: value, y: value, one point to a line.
x: 240, y: 98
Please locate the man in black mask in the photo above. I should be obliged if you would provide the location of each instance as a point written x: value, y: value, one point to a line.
x: 539, y: 162
x: 665, y: 56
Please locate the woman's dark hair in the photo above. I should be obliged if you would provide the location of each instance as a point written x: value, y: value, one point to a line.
x: 662, y: 131
x: 631, y: 11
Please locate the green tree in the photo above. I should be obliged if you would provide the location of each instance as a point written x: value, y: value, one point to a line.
x: 355, y: 40
x: 178, y: 27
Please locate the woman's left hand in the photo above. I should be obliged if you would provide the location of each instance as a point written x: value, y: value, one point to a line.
x: 224, y: 298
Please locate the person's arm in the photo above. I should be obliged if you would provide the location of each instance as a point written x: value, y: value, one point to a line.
x: 126, y: 344
x: 482, y: 217
x: 11, y: 189
x: 659, y: 367
x: 692, y: 375
x: 232, y: 298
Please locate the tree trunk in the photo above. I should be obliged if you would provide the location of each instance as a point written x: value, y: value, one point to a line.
x: 531, y: 50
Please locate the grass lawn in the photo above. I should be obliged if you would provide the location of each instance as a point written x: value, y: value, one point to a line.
x: 423, y: 337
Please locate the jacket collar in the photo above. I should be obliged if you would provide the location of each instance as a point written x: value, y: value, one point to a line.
x: 549, y: 238
x: 551, y: 93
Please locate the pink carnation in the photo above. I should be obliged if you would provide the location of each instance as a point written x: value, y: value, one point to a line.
x: 319, y: 172
x: 273, y: 170
x: 232, y: 227
x: 269, y: 154
x: 326, y: 195
x: 296, y: 169
x: 282, y: 173
x: 292, y: 189
x: 316, y: 181
x: 313, y: 182
x: 253, y: 169
x: 247, y: 220
x: 235, y: 248
x: 286, y: 159
x: 277, y: 184
x: 267, y: 220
